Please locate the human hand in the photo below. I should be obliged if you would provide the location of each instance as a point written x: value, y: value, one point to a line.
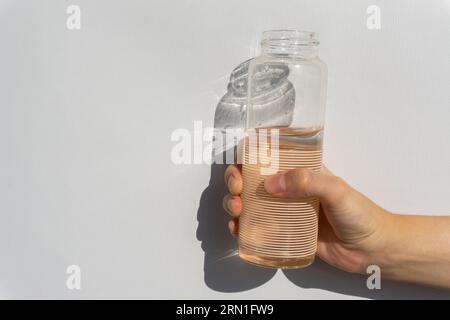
x: 352, y: 229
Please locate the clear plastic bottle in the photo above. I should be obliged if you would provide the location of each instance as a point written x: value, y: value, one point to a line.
x: 285, y: 118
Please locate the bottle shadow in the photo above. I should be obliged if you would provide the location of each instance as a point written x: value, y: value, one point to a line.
x: 223, y: 269
x: 323, y: 276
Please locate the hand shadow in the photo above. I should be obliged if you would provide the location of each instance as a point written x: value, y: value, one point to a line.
x: 323, y: 276
x: 223, y: 269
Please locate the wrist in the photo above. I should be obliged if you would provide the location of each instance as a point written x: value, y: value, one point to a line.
x: 392, y: 253
x: 414, y: 250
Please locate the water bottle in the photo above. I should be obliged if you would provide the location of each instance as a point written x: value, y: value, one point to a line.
x: 286, y: 88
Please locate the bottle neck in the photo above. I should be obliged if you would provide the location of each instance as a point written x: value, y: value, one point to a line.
x: 301, y: 44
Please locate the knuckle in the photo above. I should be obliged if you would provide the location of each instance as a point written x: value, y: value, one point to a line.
x: 227, y: 174
x: 302, y: 179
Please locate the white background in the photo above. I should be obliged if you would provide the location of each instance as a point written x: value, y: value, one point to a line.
x: 86, y: 117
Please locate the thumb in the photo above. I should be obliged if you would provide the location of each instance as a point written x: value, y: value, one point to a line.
x: 303, y: 183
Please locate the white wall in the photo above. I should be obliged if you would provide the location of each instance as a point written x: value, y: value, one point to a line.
x: 86, y: 116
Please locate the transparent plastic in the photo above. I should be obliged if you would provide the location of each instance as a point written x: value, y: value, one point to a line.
x: 286, y: 88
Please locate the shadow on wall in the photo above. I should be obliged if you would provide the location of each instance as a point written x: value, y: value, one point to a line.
x: 224, y: 271
x: 323, y: 276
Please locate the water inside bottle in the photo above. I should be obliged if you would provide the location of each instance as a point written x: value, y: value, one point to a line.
x: 277, y: 232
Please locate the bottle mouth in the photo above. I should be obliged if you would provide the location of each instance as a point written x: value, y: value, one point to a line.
x: 289, y: 38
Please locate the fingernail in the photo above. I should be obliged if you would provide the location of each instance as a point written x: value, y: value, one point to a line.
x: 275, y: 184
x: 229, y: 204
x: 230, y: 182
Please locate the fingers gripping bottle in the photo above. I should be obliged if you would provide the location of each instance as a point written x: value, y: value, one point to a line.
x: 285, y: 117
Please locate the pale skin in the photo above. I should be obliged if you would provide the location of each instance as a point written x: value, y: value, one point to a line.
x: 354, y: 232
